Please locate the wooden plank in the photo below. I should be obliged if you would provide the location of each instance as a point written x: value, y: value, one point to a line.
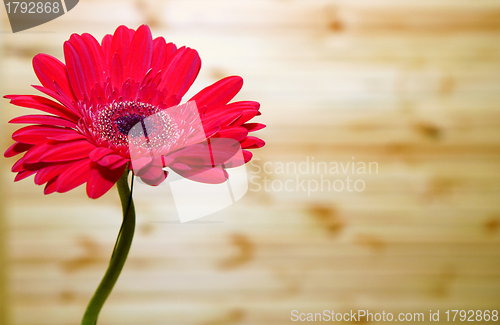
x: 4, y: 261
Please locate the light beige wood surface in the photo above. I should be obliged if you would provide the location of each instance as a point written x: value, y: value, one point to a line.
x: 413, y: 86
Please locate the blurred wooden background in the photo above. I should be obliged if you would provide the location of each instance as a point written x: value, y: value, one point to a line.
x: 411, y: 85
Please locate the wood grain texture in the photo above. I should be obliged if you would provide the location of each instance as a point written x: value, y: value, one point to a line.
x: 412, y: 86
x: 4, y: 294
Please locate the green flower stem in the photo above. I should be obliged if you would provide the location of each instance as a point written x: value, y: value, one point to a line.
x: 119, y: 256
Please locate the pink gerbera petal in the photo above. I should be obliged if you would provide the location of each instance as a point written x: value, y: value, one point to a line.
x: 141, y: 53
x: 67, y: 151
x: 252, y: 127
x: 43, y: 120
x: 16, y: 149
x: 50, y: 187
x: 50, y: 172
x: 162, y: 54
x: 24, y: 174
x: 75, y: 175
x: 218, y: 94
x: 50, y: 70
x: 42, y: 104
x: 34, y: 134
x: 101, y: 180
x: 186, y: 62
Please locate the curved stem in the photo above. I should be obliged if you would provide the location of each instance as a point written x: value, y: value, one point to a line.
x: 119, y: 256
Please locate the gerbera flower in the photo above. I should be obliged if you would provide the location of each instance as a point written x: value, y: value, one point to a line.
x: 99, y: 97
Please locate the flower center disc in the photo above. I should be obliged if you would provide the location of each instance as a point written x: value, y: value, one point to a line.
x: 142, y: 124
x: 126, y: 122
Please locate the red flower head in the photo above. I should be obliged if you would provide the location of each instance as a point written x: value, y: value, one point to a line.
x: 121, y: 98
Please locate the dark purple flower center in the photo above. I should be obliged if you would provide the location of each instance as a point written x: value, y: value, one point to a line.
x: 144, y: 124
x: 126, y: 122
